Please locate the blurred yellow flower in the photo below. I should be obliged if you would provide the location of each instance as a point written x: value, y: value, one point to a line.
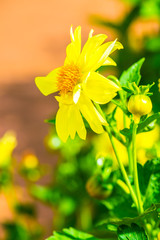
x: 7, y: 144
x: 79, y: 84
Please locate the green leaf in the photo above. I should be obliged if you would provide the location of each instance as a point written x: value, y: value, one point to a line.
x: 126, y: 132
x: 51, y: 238
x: 117, y: 202
x: 133, y: 232
x: 127, y: 89
x: 52, y: 121
x: 153, y: 44
x: 147, y: 122
x: 132, y: 74
x: 152, y: 211
x: 77, y: 234
x: 122, y: 106
x: 149, y: 180
x: 71, y: 233
x: 152, y: 180
x: 144, y: 126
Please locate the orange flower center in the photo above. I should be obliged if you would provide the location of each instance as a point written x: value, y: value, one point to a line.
x: 68, y: 77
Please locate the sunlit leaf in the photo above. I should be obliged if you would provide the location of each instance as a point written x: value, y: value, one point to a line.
x: 71, y: 233
x: 132, y: 74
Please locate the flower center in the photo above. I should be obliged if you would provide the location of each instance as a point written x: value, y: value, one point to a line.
x: 68, y: 77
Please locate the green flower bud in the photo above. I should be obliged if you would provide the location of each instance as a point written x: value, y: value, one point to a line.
x: 139, y: 105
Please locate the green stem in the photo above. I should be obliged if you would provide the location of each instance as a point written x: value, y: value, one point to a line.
x: 129, y: 151
x: 135, y: 171
x: 123, y: 171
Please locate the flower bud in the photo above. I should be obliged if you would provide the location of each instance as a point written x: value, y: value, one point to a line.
x: 139, y: 105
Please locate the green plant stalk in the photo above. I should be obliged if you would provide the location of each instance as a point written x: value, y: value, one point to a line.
x: 135, y: 171
x: 123, y: 171
x: 129, y: 151
x: 130, y: 161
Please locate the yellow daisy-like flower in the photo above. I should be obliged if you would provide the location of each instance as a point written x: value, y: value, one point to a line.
x: 79, y: 85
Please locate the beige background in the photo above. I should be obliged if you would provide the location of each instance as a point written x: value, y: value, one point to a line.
x: 33, y: 38
x: 34, y: 33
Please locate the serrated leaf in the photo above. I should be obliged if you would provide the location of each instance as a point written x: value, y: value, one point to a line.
x: 132, y: 74
x: 133, y: 232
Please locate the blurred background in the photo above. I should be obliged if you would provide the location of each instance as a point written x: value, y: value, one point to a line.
x: 34, y: 36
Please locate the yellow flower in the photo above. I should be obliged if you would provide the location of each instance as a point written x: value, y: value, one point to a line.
x: 7, y: 144
x: 79, y: 85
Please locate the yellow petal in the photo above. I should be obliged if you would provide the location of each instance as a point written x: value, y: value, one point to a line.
x: 74, y: 48
x: 66, y: 99
x: 62, y: 123
x: 76, y: 93
x: 100, y: 56
x: 76, y: 123
x: 91, y: 33
x: 90, y: 114
x: 69, y: 121
x: 109, y: 61
x: 71, y: 33
x: 89, y: 48
x: 100, y: 89
x: 48, y: 84
x: 117, y: 45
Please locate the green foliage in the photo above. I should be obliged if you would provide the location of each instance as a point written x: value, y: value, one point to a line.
x: 133, y: 232
x: 20, y: 232
x: 5, y: 177
x: 117, y: 202
x: 71, y: 233
x: 150, y: 179
x: 146, y: 124
x: 153, y: 44
x: 150, y: 8
x: 115, y: 222
x: 27, y: 209
x: 16, y: 231
x: 132, y: 74
x: 52, y: 121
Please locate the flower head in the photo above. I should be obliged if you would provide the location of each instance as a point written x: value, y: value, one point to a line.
x: 79, y: 85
